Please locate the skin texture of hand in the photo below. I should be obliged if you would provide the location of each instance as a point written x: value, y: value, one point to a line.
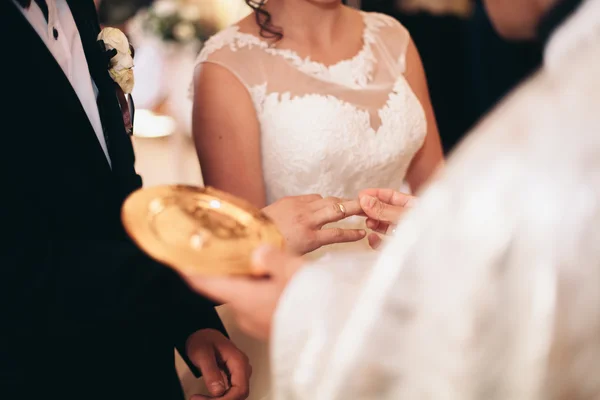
x: 253, y: 299
x: 301, y: 218
x: 226, y: 370
x: 383, y: 208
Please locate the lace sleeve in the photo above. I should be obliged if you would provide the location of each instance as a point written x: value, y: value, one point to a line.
x: 233, y: 51
x: 392, y: 39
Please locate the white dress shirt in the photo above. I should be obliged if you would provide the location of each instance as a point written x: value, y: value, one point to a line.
x: 67, y: 49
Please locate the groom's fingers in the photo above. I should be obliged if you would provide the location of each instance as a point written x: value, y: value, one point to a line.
x: 225, y: 378
x: 206, y: 361
x: 235, y: 393
x: 240, y: 378
x: 239, y: 373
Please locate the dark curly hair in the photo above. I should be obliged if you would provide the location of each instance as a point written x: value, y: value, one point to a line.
x: 263, y: 20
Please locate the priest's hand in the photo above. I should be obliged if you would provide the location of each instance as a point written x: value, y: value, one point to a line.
x: 384, y: 208
x: 226, y: 370
x: 252, y: 299
x: 301, y: 218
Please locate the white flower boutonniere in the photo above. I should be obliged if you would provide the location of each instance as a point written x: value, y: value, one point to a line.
x: 121, y: 62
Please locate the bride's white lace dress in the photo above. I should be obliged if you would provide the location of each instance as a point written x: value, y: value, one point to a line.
x: 332, y: 130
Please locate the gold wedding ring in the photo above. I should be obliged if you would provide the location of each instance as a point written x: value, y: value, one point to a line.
x: 342, y: 209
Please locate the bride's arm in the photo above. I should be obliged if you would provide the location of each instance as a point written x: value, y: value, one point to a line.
x: 227, y: 134
x: 430, y: 156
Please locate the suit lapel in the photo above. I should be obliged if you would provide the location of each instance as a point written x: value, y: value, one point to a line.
x: 58, y: 86
x: 53, y: 91
x: 119, y: 142
x: 88, y: 28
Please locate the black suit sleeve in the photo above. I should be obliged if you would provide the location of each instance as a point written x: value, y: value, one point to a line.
x: 66, y: 268
x: 189, y: 313
x: 74, y: 285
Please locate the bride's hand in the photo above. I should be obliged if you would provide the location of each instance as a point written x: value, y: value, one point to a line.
x: 383, y: 208
x: 300, y: 219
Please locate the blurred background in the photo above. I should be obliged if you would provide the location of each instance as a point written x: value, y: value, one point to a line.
x: 455, y: 39
x: 167, y: 36
x: 468, y: 67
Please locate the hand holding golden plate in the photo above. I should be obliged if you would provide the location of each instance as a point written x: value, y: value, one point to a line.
x: 197, y: 230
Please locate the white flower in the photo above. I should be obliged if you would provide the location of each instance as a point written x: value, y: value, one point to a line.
x: 121, y: 65
x: 114, y: 39
x: 184, y: 31
x: 164, y: 8
x: 189, y: 12
x: 124, y: 78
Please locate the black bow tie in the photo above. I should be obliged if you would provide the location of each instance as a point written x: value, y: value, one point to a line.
x: 41, y: 3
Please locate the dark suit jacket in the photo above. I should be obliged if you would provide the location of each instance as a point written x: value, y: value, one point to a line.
x: 83, y: 313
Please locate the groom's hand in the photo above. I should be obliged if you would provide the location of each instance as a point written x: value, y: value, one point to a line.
x: 384, y: 208
x: 226, y: 370
x: 301, y: 218
x: 253, y: 299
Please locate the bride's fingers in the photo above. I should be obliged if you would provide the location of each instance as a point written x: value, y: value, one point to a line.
x: 307, y: 198
x: 351, y: 207
x: 318, y: 204
x: 325, y: 237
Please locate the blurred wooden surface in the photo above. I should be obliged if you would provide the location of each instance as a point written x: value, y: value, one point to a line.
x: 167, y: 160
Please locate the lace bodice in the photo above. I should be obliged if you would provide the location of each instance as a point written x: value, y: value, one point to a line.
x: 332, y: 130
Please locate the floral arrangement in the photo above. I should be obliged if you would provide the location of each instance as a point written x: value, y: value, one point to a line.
x: 178, y: 21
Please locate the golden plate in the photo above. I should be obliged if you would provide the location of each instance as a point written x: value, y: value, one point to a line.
x: 197, y: 230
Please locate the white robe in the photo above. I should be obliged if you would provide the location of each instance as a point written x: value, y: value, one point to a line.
x: 491, y: 287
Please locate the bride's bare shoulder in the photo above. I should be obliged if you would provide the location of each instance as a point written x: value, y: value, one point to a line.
x: 248, y: 25
x: 379, y: 20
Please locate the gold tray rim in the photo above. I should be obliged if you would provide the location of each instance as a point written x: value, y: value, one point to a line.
x: 132, y: 214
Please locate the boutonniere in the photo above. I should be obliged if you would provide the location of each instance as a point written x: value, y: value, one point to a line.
x: 120, y: 54
x: 119, y: 58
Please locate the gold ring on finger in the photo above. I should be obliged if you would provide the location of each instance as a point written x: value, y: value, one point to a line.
x: 342, y: 209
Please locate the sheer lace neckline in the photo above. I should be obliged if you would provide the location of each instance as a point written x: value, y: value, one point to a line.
x: 290, y: 53
x: 355, y: 71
